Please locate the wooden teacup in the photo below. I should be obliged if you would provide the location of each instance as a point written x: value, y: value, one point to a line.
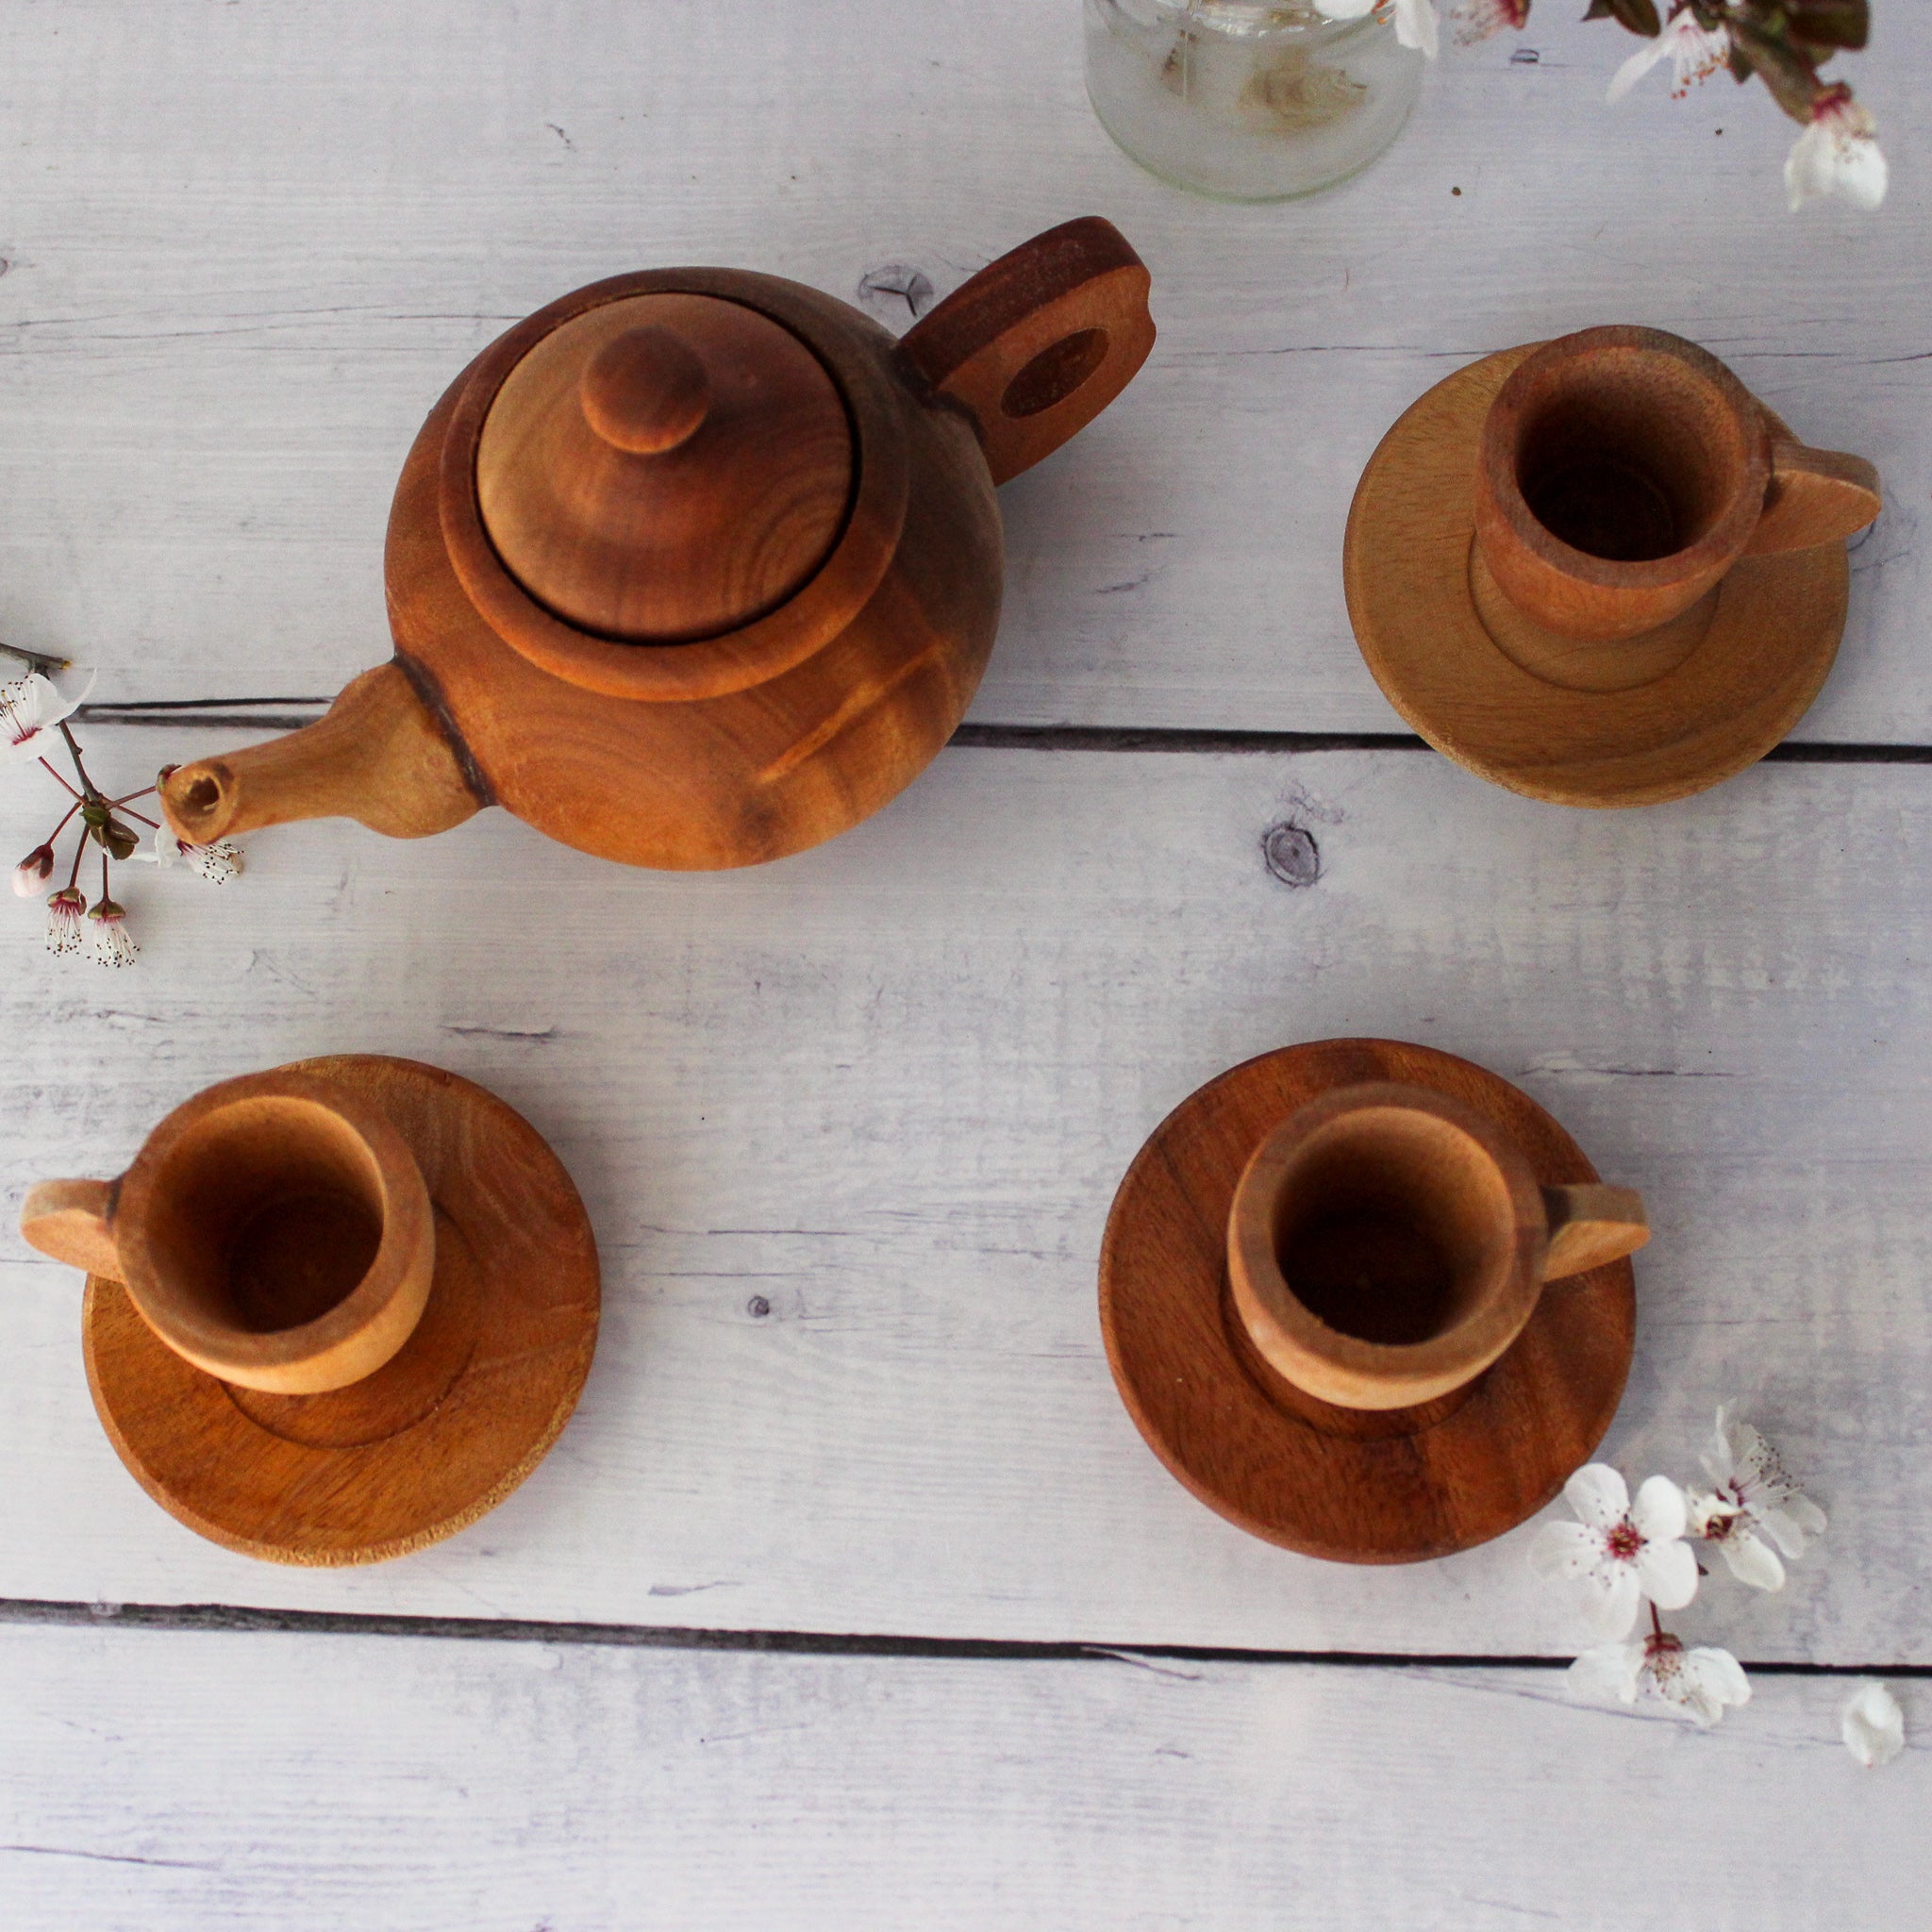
x: 274, y: 1230
x: 1387, y: 1243
x: 1621, y: 474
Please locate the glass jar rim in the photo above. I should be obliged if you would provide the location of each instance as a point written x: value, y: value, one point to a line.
x: 1251, y: 20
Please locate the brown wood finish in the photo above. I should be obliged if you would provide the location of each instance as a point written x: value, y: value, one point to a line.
x: 273, y: 1230
x: 1622, y: 472
x: 1039, y: 342
x: 1543, y: 712
x: 376, y: 756
x: 793, y: 725
x: 446, y: 1429
x: 1816, y: 496
x: 1385, y: 1244
x: 664, y: 468
x: 1350, y: 1486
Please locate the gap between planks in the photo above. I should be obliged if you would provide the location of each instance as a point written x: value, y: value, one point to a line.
x: 288, y: 714
x: 233, y: 1617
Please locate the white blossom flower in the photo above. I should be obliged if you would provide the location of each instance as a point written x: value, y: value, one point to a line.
x: 31, y: 707
x: 217, y: 863
x: 1477, y: 19
x: 1873, y: 1726
x: 1620, y: 1551
x: 1415, y: 20
x: 1695, y: 52
x: 1728, y: 1526
x: 113, y: 944
x: 1753, y: 1498
x: 1696, y: 1684
x: 31, y: 874
x: 64, y: 911
x: 1838, y: 154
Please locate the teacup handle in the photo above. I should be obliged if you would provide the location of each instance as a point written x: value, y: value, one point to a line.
x: 1040, y: 342
x: 68, y: 1220
x: 1815, y: 496
x: 1591, y: 1225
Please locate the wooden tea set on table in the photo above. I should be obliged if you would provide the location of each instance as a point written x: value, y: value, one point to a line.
x: 334, y: 1311
x: 1599, y: 570
x: 692, y: 568
x: 696, y: 568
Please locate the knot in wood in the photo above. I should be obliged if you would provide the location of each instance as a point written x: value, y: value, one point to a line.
x: 1291, y: 854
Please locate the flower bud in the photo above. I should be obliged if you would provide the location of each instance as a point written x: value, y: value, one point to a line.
x: 33, y: 872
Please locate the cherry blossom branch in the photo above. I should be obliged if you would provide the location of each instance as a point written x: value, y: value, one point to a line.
x: 37, y: 661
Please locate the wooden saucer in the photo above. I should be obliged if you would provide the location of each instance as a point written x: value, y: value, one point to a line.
x: 1168, y: 1320
x: 441, y: 1434
x: 1762, y: 656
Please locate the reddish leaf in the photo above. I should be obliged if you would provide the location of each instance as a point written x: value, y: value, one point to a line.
x: 1640, y: 16
x: 1829, y: 23
x: 1790, y: 77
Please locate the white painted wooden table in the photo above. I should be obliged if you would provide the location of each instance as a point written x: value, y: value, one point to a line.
x: 851, y: 1598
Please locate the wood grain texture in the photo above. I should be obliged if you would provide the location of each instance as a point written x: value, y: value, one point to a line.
x: 1622, y: 472
x: 723, y: 750
x: 1466, y: 1462
x: 273, y: 1230
x: 218, y: 352
x: 438, y: 1435
x: 404, y: 1784
x: 725, y: 636
x: 824, y: 597
x: 377, y: 755
x: 849, y: 1125
x: 1524, y: 705
x: 847, y: 1129
x: 1040, y: 342
x: 662, y: 531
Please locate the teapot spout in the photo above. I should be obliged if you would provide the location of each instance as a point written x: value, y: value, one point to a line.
x: 378, y: 755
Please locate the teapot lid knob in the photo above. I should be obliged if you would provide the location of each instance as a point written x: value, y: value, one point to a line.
x: 665, y: 467
x: 644, y: 391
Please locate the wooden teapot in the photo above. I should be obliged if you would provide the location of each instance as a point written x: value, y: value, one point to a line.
x: 697, y: 567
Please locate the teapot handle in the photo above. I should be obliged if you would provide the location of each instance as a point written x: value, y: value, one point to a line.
x: 1040, y: 342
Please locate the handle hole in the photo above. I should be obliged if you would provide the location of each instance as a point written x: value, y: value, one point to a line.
x: 1055, y: 373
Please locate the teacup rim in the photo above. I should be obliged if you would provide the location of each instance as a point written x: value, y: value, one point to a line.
x: 406, y: 1211
x: 1720, y: 545
x: 1348, y: 1371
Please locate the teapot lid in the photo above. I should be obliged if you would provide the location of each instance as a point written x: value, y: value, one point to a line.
x: 665, y: 467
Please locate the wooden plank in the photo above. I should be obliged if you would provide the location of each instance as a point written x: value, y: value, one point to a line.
x: 172, y: 1780
x: 219, y: 345
x: 848, y: 1127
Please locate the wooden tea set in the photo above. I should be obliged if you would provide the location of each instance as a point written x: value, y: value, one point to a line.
x: 697, y: 568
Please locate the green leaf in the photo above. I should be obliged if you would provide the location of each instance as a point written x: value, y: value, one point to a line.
x: 1599, y: 9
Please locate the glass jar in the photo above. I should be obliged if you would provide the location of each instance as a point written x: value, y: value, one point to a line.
x: 1253, y: 100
